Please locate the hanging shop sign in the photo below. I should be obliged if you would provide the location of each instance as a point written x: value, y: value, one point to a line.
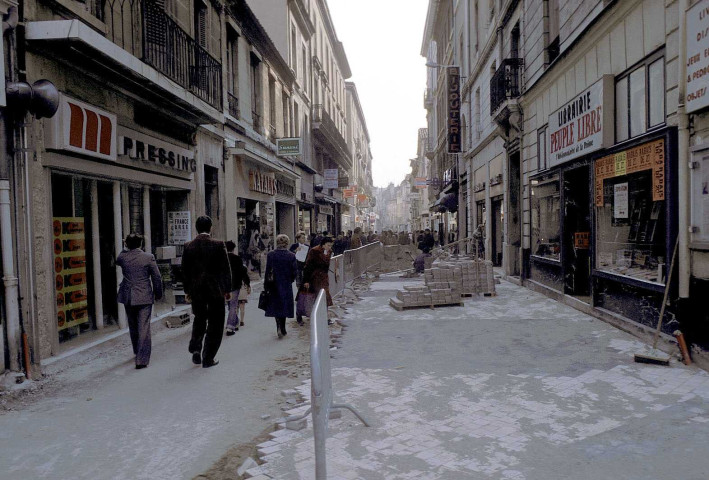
x: 649, y: 156
x: 144, y: 148
x: 420, y: 182
x: 289, y: 147
x: 331, y: 178
x: 325, y: 210
x: 70, y: 271
x: 697, y: 96
x: 454, y: 136
x: 583, y: 125
x: 262, y: 182
x: 285, y: 186
x: 178, y: 228
x: 82, y: 128
x: 361, y: 198
x: 349, y: 192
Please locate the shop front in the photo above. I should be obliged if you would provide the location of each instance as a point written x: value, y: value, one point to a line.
x: 256, y: 207
x: 285, y: 205
x: 106, y: 180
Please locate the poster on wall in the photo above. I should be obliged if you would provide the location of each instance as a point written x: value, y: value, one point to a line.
x: 332, y: 179
x: 178, y: 230
x: 70, y: 271
x: 620, y: 200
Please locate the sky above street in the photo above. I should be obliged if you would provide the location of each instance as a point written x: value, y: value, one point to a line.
x: 382, y: 39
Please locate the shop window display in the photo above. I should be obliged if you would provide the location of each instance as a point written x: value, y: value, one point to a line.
x: 630, y: 228
x: 546, y: 205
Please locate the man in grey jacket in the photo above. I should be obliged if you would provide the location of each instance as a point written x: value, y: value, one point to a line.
x: 140, y: 287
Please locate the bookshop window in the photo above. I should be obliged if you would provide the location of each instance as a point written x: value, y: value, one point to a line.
x: 630, y: 229
x: 640, y: 99
x: 546, y: 224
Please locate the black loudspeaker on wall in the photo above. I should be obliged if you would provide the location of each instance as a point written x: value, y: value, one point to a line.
x: 41, y: 99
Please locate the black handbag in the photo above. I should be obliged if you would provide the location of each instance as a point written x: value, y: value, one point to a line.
x: 265, y: 296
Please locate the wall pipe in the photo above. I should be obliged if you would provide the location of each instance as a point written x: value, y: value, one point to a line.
x: 683, y: 158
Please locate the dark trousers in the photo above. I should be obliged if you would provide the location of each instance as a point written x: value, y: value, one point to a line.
x: 139, y: 327
x: 281, y: 324
x: 208, y: 326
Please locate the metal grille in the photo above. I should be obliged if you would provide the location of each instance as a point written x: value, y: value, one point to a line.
x: 505, y: 83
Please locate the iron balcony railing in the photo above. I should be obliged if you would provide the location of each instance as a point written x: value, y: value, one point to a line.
x: 505, y: 83
x: 233, y: 101
x: 327, y: 127
x: 144, y: 29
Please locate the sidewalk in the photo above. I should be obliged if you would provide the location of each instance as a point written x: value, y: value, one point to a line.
x: 515, y: 387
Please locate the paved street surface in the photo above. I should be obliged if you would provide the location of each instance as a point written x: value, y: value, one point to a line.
x: 170, y: 421
x: 515, y: 387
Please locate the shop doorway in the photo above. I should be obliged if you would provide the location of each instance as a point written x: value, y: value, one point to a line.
x: 107, y: 249
x: 497, y: 219
x: 577, y: 237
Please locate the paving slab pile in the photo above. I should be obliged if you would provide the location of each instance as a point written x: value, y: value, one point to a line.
x: 446, y: 281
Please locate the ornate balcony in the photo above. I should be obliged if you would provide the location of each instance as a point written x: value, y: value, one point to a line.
x: 325, y: 130
x: 233, y: 105
x: 505, y: 84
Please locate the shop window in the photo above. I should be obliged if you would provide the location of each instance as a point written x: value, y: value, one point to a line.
x: 640, y: 99
x: 546, y: 224
x: 211, y: 191
x: 630, y: 228
x: 135, y: 209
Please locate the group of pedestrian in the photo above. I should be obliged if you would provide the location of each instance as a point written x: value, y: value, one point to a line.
x: 214, y: 274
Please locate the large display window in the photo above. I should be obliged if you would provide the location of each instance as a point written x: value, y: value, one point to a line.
x: 546, y: 225
x: 630, y: 213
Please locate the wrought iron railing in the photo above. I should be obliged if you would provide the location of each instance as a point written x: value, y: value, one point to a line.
x: 233, y: 105
x: 505, y: 83
x: 144, y: 29
x: 329, y: 128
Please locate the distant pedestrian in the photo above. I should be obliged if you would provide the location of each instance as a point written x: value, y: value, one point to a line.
x: 206, y: 277
x: 356, y: 240
x: 281, y: 272
x: 300, y: 250
x: 256, y: 246
x: 239, y: 277
x: 317, y: 268
x: 338, y: 247
x: 140, y: 287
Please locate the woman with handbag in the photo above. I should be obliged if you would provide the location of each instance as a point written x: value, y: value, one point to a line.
x: 281, y: 271
x: 316, y: 271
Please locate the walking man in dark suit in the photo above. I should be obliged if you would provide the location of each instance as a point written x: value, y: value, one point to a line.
x: 206, y: 277
x: 140, y: 287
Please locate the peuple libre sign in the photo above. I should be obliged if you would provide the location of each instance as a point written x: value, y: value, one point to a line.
x: 453, y: 95
x: 583, y: 125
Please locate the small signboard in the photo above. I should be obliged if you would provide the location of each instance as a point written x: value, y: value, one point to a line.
x: 289, y: 147
x: 332, y: 179
x: 420, y: 182
x: 697, y: 93
x: 582, y: 240
x: 179, y: 229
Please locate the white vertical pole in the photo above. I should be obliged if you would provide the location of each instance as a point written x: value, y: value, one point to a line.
x: 146, y: 219
x: 96, y: 256
x: 12, y: 308
x: 118, y: 240
x: 683, y: 159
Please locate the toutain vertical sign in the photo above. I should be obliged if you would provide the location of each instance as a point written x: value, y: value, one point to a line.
x: 454, y: 130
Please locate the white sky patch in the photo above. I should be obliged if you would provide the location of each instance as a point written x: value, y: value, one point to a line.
x: 382, y: 40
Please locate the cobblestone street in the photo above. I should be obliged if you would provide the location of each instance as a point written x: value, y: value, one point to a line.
x: 514, y: 387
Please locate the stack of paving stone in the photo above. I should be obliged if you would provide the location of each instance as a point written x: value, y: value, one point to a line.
x: 478, y: 277
x: 415, y: 296
x: 443, y: 287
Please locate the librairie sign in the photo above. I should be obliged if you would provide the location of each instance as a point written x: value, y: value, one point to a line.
x: 583, y: 125
x: 697, y: 90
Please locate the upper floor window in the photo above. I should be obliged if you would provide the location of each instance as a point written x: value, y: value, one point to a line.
x: 232, y: 60
x: 640, y: 98
x: 553, y: 30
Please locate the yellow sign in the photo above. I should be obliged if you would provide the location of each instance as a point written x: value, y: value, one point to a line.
x: 70, y: 271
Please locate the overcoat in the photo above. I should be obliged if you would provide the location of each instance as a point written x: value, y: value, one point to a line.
x: 205, y: 268
x: 141, y: 283
x: 282, y: 265
x: 317, y: 266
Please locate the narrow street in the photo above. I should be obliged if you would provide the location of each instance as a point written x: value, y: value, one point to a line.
x: 514, y: 387
x: 171, y: 421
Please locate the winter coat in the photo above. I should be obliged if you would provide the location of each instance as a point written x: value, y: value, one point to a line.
x: 356, y: 241
x: 239, y: 274
x: 316, y: 272
x: 281, y: 266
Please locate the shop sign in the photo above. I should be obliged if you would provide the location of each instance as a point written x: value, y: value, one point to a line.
x: 697, y: 56
x: 372, y: 216
x: 649, y: 156
x: 361, y: 198
x: 140, y: 147
x: 577, y: 128
x: 289, y: 147
x: 262, y: 182
x: 179, y: 230
x: 70, y: 271
x: 348, y: 192
x: 325, y: 210
x: 582, y: 240
x: 454, y: 136
x: 331, y: 178
x: 420, y: 182
x: 285, y: 186
x: 82, y: 128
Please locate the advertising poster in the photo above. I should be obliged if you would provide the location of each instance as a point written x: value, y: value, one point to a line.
x: 620, y: 200
x: 331, y: 177
x: 178, y: 230
x: 70, y: 271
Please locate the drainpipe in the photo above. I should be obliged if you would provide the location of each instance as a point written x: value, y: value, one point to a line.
x: 683, y: 160
x: 10, y: 281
